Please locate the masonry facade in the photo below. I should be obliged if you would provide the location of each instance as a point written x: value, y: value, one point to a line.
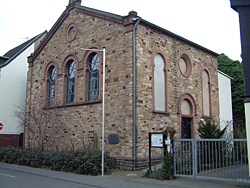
x: 176, y: 81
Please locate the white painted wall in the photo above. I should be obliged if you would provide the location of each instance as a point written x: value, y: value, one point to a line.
x: 247, y: 112
x: 225, y: 98
x: 13, y: 82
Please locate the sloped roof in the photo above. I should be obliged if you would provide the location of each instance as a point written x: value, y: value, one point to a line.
x: 109, y: 16
x: 13, y: 53
x: 224, y: 74
x: 3, y: 59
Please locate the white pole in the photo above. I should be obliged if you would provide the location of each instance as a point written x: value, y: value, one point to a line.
x: 103, y: 92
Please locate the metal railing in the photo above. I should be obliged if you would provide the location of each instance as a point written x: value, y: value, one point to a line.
x: 211, y: 159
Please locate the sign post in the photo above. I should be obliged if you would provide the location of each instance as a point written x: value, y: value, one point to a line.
x: 1, y: 126
x: 156, y: 141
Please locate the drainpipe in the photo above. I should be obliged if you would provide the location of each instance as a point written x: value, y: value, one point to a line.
x: 134, y: 97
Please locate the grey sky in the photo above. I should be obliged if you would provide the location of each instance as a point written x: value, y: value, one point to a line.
x: 212, y: 24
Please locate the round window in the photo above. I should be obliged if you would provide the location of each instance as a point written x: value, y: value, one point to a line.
x: 71, y: 32
x: 185, y: 65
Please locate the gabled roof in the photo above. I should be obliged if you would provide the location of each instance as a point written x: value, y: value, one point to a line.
x: 108, y: 16
x: 13, y: 53
x: 238, y: 3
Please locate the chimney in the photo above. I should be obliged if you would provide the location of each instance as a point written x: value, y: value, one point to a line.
x: 128, y: 21
x: 75, y: 1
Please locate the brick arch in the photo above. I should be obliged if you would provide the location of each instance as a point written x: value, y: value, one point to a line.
x: 52, y: 63
x: 69, y: 57
x: 46, y: 78
x: 85, y: 70
x: 191, y: 101
x: 190, y: 98
x: 158, y: 51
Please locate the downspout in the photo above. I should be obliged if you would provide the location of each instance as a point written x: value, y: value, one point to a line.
x: 134, y: 97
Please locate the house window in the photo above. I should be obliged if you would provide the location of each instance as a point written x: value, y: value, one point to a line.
x: 70, y: 82
x: 71, y: 32
x: 51, y: 86
x: 160, y: 86
x: 206, y: 97
x: 93, y: 77
x: 185, y: 65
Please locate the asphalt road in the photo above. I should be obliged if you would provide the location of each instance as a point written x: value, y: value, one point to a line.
x: 15, y: 176
x: 12, y: 179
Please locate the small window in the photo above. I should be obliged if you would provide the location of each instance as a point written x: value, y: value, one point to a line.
x: 185, y: 65
x: 93, y: 77
x: 70, y: 82
x: 71, y: 32
x: 51, y: 86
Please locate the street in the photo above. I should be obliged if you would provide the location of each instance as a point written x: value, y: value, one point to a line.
x: 15, y: 176
x: 12, y: 179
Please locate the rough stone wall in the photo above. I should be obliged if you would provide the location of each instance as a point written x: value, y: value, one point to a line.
x: 148, y: 41
x: 80, y: 121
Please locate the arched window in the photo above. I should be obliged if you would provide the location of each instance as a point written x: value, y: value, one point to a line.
x: 93, y: 77
x: 206, y: 97
x: 160, y: 83
x: 70, y: 82
x: 51, y: 86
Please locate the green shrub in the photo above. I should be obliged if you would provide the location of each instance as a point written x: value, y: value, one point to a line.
x: 166, y: 172
x: 209, y: 129
x: 80, y: 162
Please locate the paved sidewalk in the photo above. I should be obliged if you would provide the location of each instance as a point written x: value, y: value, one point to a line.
x: 122, y: 179
x: 136, y: 176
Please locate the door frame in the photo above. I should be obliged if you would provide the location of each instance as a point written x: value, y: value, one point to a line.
x: 190, y: 99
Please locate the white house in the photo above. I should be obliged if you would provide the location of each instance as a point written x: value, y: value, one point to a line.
x: 225, y: 98
x: 13, y: 81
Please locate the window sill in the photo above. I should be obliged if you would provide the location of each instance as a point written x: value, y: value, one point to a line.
x: 161, y: 112
x: 207, y: 117
x: 73, y: 105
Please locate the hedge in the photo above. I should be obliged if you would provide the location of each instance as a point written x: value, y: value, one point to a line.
x: 80, y: 162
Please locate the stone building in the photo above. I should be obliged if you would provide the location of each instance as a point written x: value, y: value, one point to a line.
x: 175, y: 82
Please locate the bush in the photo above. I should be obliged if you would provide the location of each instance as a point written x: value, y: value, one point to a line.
x: 80, y: 162
x: 166, y: 172
x: 209, y: 129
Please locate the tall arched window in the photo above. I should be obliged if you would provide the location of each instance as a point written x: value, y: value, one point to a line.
x: 51, y: 86
x: 206, y: 97
x: 93, y: 77
x: 70, y: 82
x: 160, y: 83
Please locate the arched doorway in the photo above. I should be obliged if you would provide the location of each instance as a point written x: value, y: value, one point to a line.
x: 187, y: 111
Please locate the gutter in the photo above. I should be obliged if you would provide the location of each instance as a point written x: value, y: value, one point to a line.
x: 134, y: 95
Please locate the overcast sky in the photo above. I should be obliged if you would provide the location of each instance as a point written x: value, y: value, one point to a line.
x: 212, y: 24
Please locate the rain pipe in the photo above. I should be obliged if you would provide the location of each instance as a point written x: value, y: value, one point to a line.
x: 134, y: 95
